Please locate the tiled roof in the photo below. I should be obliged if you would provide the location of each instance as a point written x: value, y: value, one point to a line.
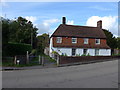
x: 78, y: 31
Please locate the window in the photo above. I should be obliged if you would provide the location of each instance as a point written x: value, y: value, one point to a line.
x: 84, y: 51
x: 97, y: 41
x: 96, y: 52
x: 59, y: 40
x: 73, y: 51
x: 85, y: 40
x: 74, y: 40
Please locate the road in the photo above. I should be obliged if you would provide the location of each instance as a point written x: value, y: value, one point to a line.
x: 96, y: 75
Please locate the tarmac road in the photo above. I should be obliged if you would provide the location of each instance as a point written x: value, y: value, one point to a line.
x: 95, y: 75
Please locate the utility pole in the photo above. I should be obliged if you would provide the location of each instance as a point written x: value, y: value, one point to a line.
x: 31, y: 38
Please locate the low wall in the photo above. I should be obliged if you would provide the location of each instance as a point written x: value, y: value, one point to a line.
x: 70, y: 59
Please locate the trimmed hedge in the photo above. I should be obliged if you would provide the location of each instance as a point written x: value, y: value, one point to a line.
x: 17, y: 49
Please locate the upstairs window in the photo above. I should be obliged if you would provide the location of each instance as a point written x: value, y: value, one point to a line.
x: 59, y: 39
x: 85, y: 40
x: 97, y: 41
x: 74, y: 40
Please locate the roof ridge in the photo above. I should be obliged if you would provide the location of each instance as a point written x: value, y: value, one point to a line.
x: 79, y: 26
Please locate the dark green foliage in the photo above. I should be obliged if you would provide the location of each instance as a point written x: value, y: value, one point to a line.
x: 118, y: 42
x: 42, y: 42
x: 111, y: 40
x: 17, y: 49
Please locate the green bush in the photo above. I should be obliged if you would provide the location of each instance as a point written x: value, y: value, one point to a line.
x: 13, y: 49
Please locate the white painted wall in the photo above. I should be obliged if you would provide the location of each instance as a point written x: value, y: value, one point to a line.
x: 79, y: 51
x: 105, y: 52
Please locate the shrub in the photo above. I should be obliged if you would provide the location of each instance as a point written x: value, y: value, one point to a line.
x: 17, y: 49
x: 34, y: 52
x: 83, y: 55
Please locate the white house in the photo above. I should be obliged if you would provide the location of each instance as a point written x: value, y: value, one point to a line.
x: 73, y: 40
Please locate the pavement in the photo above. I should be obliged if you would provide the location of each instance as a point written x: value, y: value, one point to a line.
x: 94, y: 75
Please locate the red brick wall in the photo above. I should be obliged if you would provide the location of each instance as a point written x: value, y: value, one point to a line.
x: 66, y: 41
x: 70, y: 59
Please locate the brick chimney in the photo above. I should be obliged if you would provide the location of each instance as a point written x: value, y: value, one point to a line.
x: 63, y: 20
x: 99, y: 24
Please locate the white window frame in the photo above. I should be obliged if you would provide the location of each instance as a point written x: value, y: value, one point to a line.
x: 59, y: 40
x: 98, y: 41
x: 85, y: 40
x: 75, y: 40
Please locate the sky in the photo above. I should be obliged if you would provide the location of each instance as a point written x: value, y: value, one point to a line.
x: 47, y: 16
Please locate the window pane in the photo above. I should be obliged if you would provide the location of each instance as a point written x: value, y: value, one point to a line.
x: 59, y: 40
x: 85, y: 51
x: 96, y: 51
x: 73, y: 52
x: 97, y: 41
x: 74, y: 40
x: 85, y: 40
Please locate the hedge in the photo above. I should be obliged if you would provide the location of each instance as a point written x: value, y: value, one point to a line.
x: 13, y: 49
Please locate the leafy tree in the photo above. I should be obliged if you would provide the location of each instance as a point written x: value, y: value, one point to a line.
x: 111, y: 40
x: 42, y: 42
x: 22, y: 31
x: 118, y: 42
x: 5, y: 34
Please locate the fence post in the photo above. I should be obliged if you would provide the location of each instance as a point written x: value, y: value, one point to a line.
x: 27, y: 58
x: 42, y: 60
x: 15, y: 60
x: 39, y: 60
x: 57, y: 60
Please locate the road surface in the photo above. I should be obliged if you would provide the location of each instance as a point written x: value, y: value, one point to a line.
x: 96, y: 75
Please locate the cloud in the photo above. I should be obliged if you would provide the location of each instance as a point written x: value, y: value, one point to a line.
x: 31, y: 18
x: 70, y: 22
x: 45, y: 26
x: 3, y: 3
x: 101, y: 8
x: 108, y: 22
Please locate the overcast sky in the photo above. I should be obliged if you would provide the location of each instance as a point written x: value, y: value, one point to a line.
x: 47, y: 16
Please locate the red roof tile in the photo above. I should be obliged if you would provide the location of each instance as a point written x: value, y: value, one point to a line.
x: 78, y: 31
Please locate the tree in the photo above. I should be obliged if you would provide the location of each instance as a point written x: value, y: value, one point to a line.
x: 42, y: 42
x: 22, y: 31
x: 111, y: 40
x: 5, y: 34
x: 118, y: 42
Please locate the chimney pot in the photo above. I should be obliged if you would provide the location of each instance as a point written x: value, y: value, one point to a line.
x: 99, y: 24
x: 64, y: 20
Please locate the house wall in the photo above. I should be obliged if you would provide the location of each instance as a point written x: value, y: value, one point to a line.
x: 67, y: 42
x: 79, y: 51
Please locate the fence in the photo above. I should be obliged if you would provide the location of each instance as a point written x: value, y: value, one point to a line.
x: 70, y: 59
x: 24, y: 59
